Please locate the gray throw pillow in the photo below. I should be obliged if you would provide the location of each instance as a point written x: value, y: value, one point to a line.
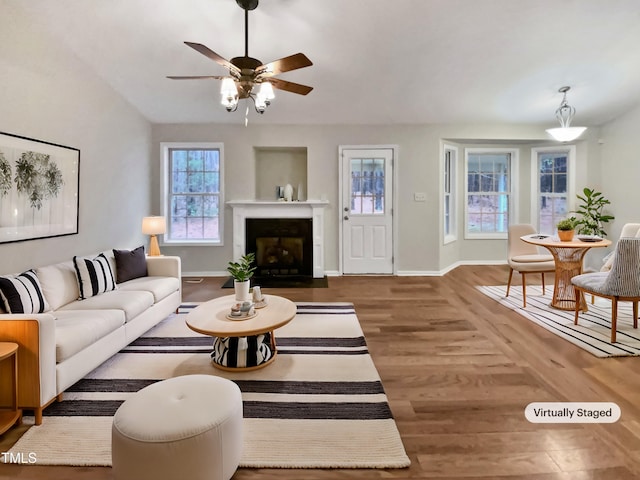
x: 130, y: 264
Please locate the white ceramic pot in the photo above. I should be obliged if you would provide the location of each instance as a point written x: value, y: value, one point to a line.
x: 241, y: 290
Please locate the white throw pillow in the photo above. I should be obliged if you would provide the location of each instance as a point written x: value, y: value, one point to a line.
x: 22, y: 293
x: 94, y: 276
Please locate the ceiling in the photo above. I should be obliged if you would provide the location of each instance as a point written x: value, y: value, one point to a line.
x: 375, y: 61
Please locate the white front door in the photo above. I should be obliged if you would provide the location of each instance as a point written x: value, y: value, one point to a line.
x: 367, y: 210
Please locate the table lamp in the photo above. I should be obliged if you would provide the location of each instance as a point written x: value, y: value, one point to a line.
x: 154, y: 226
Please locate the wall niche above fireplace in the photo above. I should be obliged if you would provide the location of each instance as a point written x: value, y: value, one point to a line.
x: 277, y: 166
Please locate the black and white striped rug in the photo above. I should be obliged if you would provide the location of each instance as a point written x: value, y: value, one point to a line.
x: 320, y: 404
x: 593, y: 332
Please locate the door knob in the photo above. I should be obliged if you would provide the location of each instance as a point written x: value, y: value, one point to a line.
x: 346, y: 209
x: 346, y: 217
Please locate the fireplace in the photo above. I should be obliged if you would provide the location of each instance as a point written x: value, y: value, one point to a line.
x: 283, y: 246
x: 309, y: 210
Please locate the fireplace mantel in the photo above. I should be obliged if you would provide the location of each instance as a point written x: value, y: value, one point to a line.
x: 314, y: 209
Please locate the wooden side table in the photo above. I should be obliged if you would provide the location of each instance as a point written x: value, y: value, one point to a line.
x: 12, y: 415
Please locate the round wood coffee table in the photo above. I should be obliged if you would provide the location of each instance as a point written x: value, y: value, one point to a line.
x: 239, y: 343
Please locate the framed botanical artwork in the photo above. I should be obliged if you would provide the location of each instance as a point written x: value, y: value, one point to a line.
x: 39, y: 184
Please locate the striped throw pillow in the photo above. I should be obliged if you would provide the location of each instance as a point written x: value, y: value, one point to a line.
x: 22, y: 293
x: 94, y: 276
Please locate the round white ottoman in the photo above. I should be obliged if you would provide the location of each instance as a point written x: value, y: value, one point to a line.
x: 187, y: 427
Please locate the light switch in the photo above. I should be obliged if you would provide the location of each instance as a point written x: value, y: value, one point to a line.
x: 420, y: 197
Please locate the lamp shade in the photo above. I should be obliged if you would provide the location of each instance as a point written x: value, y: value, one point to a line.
x: 154, y: 225
x: 566, y: 134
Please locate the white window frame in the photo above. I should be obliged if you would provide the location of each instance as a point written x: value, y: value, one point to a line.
x: 165, y: 191
x: 570, y: 150
x: 513, y: 181
x: 449, y: 192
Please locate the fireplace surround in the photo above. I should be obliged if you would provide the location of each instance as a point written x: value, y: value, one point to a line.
x: 312, y: 211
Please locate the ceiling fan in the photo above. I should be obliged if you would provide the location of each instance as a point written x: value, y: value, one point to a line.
x: 247, y: 73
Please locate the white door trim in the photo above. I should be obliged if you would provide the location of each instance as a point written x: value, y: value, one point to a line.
x: 394, y: 180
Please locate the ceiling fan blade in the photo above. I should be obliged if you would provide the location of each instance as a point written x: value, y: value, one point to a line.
x: 290, y: 86
x: 286, y: 64
x: 207, y: 52
x: 197, y: 77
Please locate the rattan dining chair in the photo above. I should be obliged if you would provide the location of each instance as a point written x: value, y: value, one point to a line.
x: 524, y: 257
x: 620, y: 284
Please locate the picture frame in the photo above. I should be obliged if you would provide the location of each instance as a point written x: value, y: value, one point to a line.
x: 39, y: 189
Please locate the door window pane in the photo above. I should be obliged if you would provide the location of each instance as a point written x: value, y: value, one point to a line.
x: 367, y: 186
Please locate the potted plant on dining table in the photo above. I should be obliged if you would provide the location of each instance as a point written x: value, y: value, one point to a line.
x: 566, y: 229
x: 242, y: 271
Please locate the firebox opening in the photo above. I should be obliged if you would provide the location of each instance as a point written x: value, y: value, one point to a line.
x: 283, y: 246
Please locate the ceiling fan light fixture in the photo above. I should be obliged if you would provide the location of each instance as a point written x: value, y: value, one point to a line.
x: 229, y: 94
x: 565, y: 114
x: 266, y: 91
x: 260, y: 103
x: 248, y: 77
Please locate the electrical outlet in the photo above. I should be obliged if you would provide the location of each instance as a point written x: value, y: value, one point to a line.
x: 419, y: 197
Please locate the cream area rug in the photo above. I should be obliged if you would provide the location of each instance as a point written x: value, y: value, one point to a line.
x: 320, y: 404
x: 593, y: 332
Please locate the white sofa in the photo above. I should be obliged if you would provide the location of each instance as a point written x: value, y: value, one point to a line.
x: 59, y: 347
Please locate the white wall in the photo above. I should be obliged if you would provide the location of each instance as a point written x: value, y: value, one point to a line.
x: 48, y: 94
x: 420, y: 248
x: 620, y: 169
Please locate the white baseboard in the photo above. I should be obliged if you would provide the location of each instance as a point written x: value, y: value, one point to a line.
x: 444, y: 271
x: 223, y: 273
x: 400, y: 273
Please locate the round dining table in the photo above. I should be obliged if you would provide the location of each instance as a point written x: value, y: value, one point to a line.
x: 568, y: 258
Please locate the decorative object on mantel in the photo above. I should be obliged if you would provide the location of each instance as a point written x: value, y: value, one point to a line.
x: 153, y: 226
x: 565, y: 114
x: 242, y: 271
x: 246, y: 74
x: 300, y: 193
x: 39, y: 184
x: 288, y: 192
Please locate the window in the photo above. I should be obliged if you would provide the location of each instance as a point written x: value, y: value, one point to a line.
x: 488, y: 192
x: 192, y: 199
x: 449, y: 194
x: 552, y: 175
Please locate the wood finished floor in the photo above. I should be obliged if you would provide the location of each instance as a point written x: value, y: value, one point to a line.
x: 458, y: 370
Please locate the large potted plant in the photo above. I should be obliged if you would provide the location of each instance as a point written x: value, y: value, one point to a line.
x: 242, y: 271
x: 591, y: 213
x: 566, y: 229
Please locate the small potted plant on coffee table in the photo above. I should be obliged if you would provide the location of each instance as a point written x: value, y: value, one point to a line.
x: 566, y: 229
x: 242, y: 271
